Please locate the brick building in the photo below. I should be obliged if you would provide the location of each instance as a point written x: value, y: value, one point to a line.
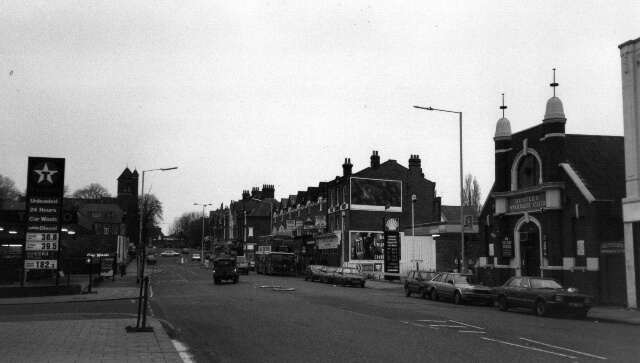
x: 555, y: 207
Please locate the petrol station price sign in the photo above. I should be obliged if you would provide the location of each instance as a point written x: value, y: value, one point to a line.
x: 45, y: 186
x: 41, y: 264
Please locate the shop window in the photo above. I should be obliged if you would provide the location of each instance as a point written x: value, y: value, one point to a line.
x: 528, y: 172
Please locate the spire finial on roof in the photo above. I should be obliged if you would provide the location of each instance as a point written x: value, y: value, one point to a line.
x: 503, y: 107
x: 554, y: 84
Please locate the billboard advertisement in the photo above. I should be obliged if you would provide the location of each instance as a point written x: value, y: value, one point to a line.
x: 376, y: 195
x: 366, y: 246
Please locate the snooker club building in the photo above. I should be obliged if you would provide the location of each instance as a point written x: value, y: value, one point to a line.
x: 555, y: 208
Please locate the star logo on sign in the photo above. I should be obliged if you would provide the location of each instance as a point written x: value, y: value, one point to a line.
x: 45, y: 173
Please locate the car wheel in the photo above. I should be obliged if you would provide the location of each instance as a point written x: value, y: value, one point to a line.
x: 503, y: 303
x: 306, y: 278
x: 216, y: 281
x: 541, y: 308
x: 235, y: 279
x: 434, y: 295
x: 457, y: 298
x: 343, y: 283
x: 582, y: 314
x: 407, y: 292
x: 362, y: 286
x: 423, y: 294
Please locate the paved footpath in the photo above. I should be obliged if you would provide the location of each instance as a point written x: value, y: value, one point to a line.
x: 88, y: 340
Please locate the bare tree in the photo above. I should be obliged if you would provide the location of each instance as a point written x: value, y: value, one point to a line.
x: 91, y: 191
x: 181, y: 225
x: 472, y: 193
x: 8, y: 188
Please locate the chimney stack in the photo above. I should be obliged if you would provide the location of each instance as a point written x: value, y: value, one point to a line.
x: 375, y: 160
x: 268, y: 191
x: 245, y: 195
x: 415, y: 163
x: 346, y: 167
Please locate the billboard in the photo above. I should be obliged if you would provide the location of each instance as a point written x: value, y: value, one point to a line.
x: 366, y: 246
x: 376, y: 195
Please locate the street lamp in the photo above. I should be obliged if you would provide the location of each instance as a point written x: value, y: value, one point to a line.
x: 203, y: 207
x: 142, y: 215
x: 413, y: 220
x: 463, y: 267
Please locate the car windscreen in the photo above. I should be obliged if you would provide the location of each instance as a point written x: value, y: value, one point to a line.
x: 350, y: 271
x: 242, y: 259
x: 224, y: 263
x: 465, y: 279
x: 545, y: 284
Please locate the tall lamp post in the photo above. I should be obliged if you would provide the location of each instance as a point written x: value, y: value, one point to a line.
x: 463, y: 265
x: 202, y: 255
x: 142, y: 216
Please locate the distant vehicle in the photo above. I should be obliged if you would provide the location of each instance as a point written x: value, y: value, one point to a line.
x: 195, y: 257
x: 185, y: 251
x: 542, y: 295
x: 169, y: 254
x: 312, y: 272
x: 348, y: 276
x: 151, y: 259
x: 207, y: 256
x: 274, y: 263
x: 460, y: 288
x: 225, y: 268
x: 416, y: 282
x: 242, y: 265
x: 326, y: 274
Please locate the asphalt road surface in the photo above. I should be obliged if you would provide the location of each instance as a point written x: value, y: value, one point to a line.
x: 250, y: 321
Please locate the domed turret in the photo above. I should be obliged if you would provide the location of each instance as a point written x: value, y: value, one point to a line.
x: 555, y: 111
x: 503, y: 128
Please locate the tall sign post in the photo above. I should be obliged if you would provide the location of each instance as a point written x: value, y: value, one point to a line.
x: 45, y: 190
x: 392, y: 245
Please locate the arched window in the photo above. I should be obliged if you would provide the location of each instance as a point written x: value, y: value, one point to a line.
x: 528, y: 172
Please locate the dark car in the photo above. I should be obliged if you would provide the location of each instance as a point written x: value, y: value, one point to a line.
x: 348, y: 276
x: 151, y: 259
x: 312, y: 272
x: 416, y: 282
x: 542, y: 295
x: 185, y: 251
x: 225, y: 268
x: 326, y: 274
x: 243, y: 265
x: 460, y: 288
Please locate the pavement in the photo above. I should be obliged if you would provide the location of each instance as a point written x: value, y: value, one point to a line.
x: 87, y: 340
x: 107, y: 340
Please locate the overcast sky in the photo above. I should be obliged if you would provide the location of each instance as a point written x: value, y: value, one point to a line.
x: 240, y: 94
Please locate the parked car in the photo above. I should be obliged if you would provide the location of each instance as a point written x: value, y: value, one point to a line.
x: 169, y: 254
x: 326, y: 274
x: 460, y: 288
x: 416, y: 282
x: 185, y: 251
x: 348, y: 275
x: 195, y: 257
x: 542, y: 295
x: 243, y: 265
x: 151, y: 259
x: 312, y: 272
x: 225, y: 268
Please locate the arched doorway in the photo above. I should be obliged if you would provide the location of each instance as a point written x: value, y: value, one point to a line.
x: 528, y: 247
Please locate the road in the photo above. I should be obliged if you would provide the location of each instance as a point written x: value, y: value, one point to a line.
x: 250, y: 321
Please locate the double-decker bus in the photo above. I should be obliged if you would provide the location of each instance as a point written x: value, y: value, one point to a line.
x: 274, y: 255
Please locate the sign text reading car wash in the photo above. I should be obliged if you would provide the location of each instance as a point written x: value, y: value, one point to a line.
x: 45, y: 188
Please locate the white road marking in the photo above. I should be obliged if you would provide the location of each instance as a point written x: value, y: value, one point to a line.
x: 434, y: 321
x: 472, y: 331
x: 408, y: 322
x: 457, y: 322
x: 447, y: 326
x: 569, y: 350
x: 182, y: 351
x: 525, y: 347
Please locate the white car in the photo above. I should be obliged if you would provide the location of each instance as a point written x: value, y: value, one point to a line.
x: 169, y: 254
x: 195, y: 257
